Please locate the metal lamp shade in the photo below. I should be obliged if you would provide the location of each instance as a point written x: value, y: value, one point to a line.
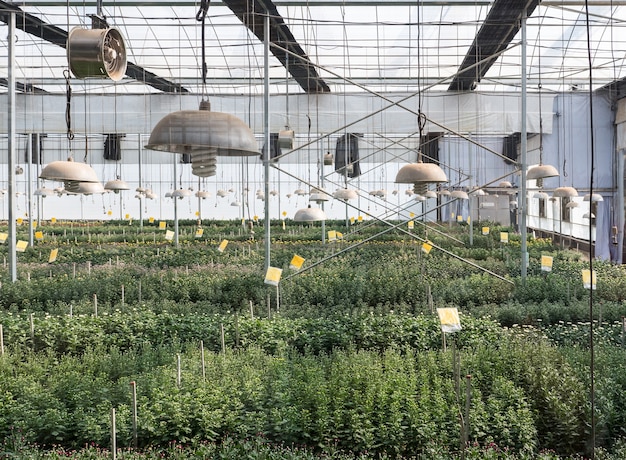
x: 540, y: 195
x: 84, y: 188
x: 541, y: 172
x: 69, y: 171
x: 203, y: 131
x: 181, y: 193
x: 345, y: 194
x: 430, y: 194
x: 505, y: 184
x: 421, y: 174
x: 572, y: 204
x: 565, y: 192
x: 116, y: 185
x: 44, y: 192
x: 309, y: 215
x: 203, y: 194
x: 596, y: 197
x: 460, y: 194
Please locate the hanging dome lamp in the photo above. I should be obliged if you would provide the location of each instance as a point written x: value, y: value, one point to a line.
x: 594, y: 198
x: 420, y: 175
x: 459, y: 194
x: 116, y: 185
x: 203, y: 194
x: 309, y: 214
x: 70, y: 172
x: 201, y: 133
x: 565, y: 192
x: 541, y: 172
x: 345, y: 194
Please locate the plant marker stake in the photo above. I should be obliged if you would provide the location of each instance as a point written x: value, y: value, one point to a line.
x: 139, y: 292
x: 202, y: 360
x: 95, y: 305
x: 277, y: 298
x: 222, y: 337
x: 122, y: 295
x: 117, y: 261
x: 89, y: 267
x: 1, y: 341
x: 236, y: 330
x: 28, y: 276
x: 251, y: 310
x: 32, y: 330
x: 468, y: 401
x: 133, y: 387
x: 430, y: 298
x: 178, y: 370
x: 269, y: 307
x: 74, y: 271
x: 623, y: 329
x: 113, y: 442
x: 71, y: 308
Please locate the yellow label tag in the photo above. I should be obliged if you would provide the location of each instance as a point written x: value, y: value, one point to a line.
x: 546, y: 263
x: 360, y: 218
x: 459, y: 218
x: 411, y: 215
x: 589, y: 279
x: 53, y: 255
x: 39, y: 235
x: 19, y: 221
x: 296, y: 262
x: 449, y: 319
x: 3, y: 237
x: 485, y: 230
x: 504, y: 237
x: 53, y: 220
x: 127, y: 216
x: 222, y: 245
x: 332, y: 235
x: 151, y: 220
x: 272, y: 276
x: 284, y: 213
x: 109, y: 213
x: 199, y: 232
x: 426, y: 247
x: 352, y: 220
x: 162, y: 225
x: 21, y: 246
x: 255, y: 218
x: 411, y: 225
x: 339, y: 236
x: 169, y: 235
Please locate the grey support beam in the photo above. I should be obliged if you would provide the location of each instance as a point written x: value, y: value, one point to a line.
x: 251, y: 13
x: 500, y: 27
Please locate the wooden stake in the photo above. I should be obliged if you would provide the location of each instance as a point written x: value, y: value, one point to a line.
x: 122, y: 295
x: 202, y: 360
x: 178, y: 370
x: 251, y: 310
x: 95, y: 305
x: 222, y: 336
x: 133, y: 387
x: 1, y: 341
x: 113, y: 435
x: 32, y: 330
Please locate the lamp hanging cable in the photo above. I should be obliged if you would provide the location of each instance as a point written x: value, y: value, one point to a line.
x: 68, y: 106
x: 201, y: 17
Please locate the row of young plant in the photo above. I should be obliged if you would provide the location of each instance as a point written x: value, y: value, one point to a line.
x: 128, y: 330
x: 345, y: 284
x: 390, y: 403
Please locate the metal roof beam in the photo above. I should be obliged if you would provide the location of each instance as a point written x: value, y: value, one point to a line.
x: 251, y: 13
x: 53, y: 34
x: 495, y: 34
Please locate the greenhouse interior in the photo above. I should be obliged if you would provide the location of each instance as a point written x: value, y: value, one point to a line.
x: 174, y: 156
x: 345, y: 93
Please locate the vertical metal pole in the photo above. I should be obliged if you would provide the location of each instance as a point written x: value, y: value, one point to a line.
x: 266, y: 134
x: 175, y: 203
x: 39, y: 200
x: 11, y: 148
x: 620, y: 205
x: 140, y: 149
x: 29, y: 192
x: 523, y: 152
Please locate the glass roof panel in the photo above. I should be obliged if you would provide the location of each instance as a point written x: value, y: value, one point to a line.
x: 357, y: 46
